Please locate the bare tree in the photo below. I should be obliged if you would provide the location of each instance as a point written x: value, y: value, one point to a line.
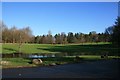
x: 49, y: 37
x: 13, y: 33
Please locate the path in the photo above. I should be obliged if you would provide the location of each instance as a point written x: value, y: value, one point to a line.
x: 96, y: 69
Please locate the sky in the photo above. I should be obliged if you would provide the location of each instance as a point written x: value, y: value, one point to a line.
x: 60, y: 16
x: 59, y: 0
x: 0, y: 10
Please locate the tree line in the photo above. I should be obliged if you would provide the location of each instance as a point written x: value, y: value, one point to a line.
x: 14, y: 35
x: 62, y: 38
x: 24, y: 35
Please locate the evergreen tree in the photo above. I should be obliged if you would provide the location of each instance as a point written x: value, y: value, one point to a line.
x: 116, y: 33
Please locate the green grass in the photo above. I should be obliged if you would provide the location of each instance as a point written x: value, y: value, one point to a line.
x: 0, y: 48
x: 87, y: 51
x: 26, y: 48
x: 16, y: 62
x: 71, y: 49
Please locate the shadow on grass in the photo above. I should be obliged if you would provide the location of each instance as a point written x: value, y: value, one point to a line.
x: 59, y: 59
x: 96, y: 49
x: 10, y: 49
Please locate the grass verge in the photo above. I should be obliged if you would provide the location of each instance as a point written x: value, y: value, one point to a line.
x: 21, y: 62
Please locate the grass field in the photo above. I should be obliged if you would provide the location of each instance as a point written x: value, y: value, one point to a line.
x: 87, y: 48
x: 87, y: 51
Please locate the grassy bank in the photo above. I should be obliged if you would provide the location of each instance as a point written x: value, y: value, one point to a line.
x: 21, y: 62
x: 16, y: 63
